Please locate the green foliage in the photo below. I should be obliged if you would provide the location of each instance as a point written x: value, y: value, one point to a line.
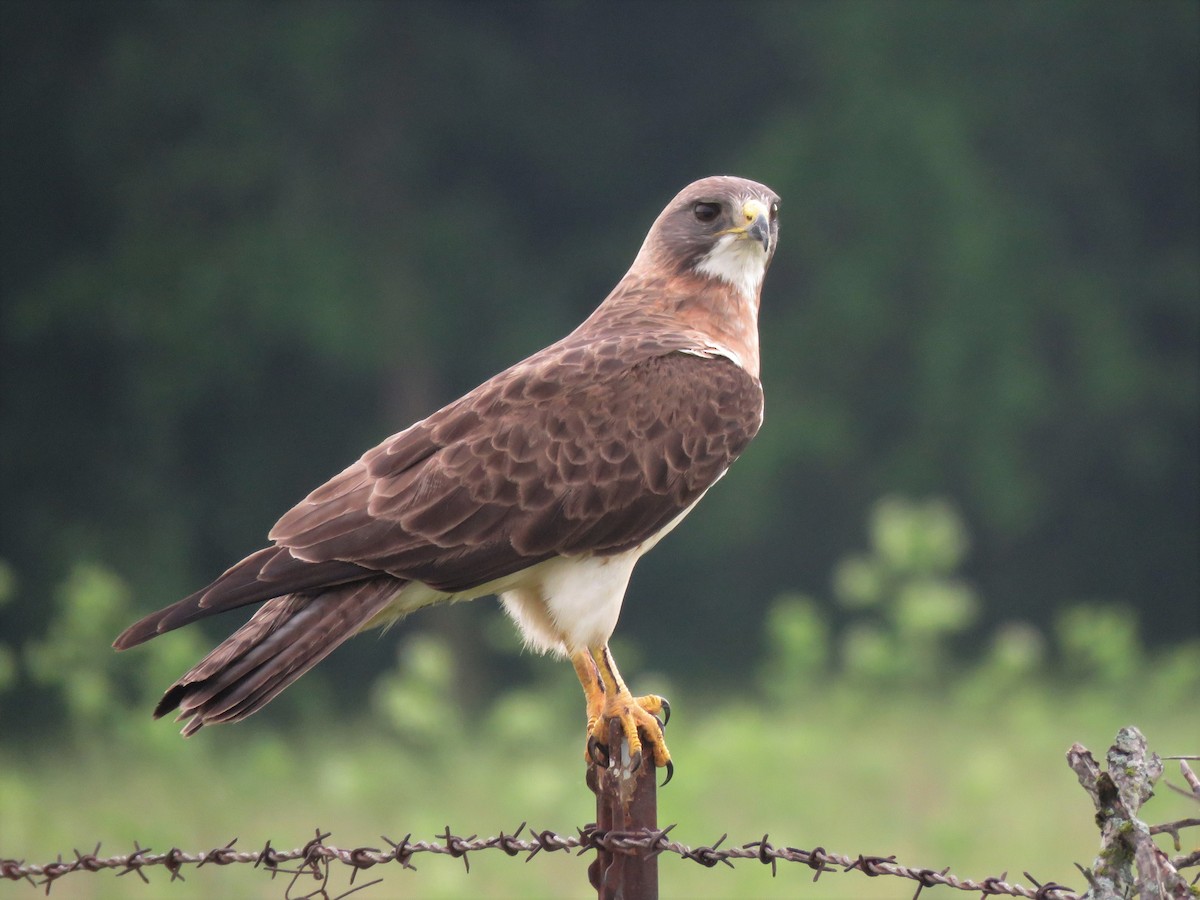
x: 1100, y: 644
x: 98, y: 692
x: 797, y: 633
x: 907, y: 602
x: 1174, y: 675
x: 918, y: 538
x: 904, y: 600
x: 417, y: 699
x: 1018, y: 652
x: 911, y: 626
x: 75, y: 657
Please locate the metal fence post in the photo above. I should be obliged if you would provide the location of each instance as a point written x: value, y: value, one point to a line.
x: 625, y: 802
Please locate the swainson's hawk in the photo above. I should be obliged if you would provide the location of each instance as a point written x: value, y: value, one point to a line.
x: 544, y: 485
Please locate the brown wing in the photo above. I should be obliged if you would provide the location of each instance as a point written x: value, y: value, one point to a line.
x: 575, y: 451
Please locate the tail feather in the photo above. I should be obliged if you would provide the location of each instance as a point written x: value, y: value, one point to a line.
x: 283, y: 640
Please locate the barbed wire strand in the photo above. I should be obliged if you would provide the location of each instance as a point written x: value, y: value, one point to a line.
x: 315, y: 857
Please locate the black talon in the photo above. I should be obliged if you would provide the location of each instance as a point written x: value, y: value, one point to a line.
x: 666, y: 711
x: 670, y: 773
x: 635, y: 762
x: 597, y: 752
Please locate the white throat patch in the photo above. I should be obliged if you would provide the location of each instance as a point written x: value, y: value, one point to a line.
x: 740, y: 263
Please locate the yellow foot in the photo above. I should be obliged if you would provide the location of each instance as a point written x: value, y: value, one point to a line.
x: 641, y: 726
x: 609, y: 700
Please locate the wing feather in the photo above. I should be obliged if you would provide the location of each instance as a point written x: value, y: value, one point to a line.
x: 595, y: 459
x: 267, y: 573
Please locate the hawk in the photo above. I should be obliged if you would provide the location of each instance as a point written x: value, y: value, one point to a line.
x: 544, y: 485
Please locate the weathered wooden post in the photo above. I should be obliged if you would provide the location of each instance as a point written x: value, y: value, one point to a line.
x: 625, y: 802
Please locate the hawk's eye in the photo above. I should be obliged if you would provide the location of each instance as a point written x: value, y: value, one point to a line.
x: 774, y: 211
x: 707, y: 212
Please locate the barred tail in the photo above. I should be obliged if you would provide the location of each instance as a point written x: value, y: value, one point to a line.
x: 283, y: 640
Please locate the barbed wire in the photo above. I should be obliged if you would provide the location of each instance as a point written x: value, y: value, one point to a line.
x: 316, y: 857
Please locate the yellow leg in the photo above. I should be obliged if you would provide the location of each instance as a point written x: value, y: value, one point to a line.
x: 608, y: 698
x: 593, y: 687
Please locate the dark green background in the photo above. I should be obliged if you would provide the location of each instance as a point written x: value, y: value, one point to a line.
x: 242, y: 242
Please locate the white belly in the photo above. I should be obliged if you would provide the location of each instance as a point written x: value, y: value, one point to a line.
x: 569, y: 603
x: 572, y: 602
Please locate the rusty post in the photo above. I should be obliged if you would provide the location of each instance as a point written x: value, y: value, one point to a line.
x: 625, y: 802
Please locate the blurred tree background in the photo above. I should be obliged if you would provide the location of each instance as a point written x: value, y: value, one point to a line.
x: 242, y: 242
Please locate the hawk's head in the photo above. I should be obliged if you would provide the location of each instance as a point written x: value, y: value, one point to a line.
x: 720, y: 227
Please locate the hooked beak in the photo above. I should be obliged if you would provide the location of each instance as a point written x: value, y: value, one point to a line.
x: 757, y: 225
x: 760, y: 230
